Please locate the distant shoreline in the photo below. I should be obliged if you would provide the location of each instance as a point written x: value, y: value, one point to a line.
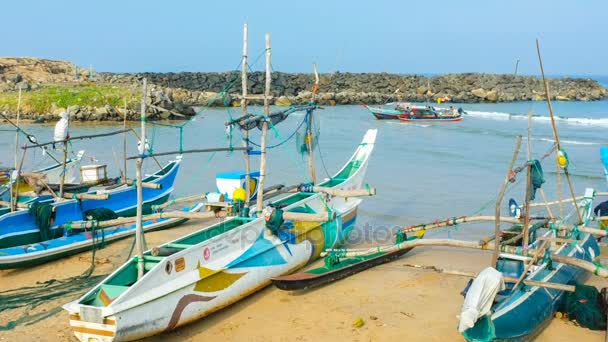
x: 50, y: 87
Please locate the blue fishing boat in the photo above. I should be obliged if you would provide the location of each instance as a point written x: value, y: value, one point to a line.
x: 520, y: 313
x: 19, y: 228
x: 73, y: 242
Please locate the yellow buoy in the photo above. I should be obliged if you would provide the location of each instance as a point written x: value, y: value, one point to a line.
x: 239, y: 194
x: 439, y: 100
x: 562, y: 160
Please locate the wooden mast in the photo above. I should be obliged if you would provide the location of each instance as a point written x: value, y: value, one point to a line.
x: 139, y: 231
x: 260, y: 198
x: 309, y: 134
x: 65, y: 160
x: 555, y: 135
x: 244, y: 108
x: 497, y: 235
x: 528, y: 181
x: 14, y: 200
x: 124, y: 144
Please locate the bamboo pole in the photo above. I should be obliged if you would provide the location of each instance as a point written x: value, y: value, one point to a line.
x: 187, y: 199
x: 17, y: 131
x: 85, y: 195
x: 244, y: 109
x: 556, y: 286
x: 16, y: 192
x: 539, y: 251
x: 340, y: 192
x: 160, y: 166
x: 290, y: 216
x: 542, y: 194
x: 63, y: 167
x: 586, y: 265
x: 566, y: 200
x: 126, y: 220
x: 260, y: 197
x: 10, y: 181
x: 526, y: 236
x: 202, y: 150
x: 145, y: 185
x: 17, y: 205
x: 554, y: 127
x: 457, y: 220
x: 124, y: 144
x: 139, y: 231
x: 501, y: 194
x: 309, y: 133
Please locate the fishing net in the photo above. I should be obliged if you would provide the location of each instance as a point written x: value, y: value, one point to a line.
x: 275, y: 220
x: 100, y: 214
x: 43, y: 213
x: 536, y: 178
x: 303, y: 138
x: 585, y: 306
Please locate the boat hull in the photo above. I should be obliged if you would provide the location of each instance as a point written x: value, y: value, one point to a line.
x: 19, y: 228
x: 526, y: 312
x: 438, y: 119
x: 50, y: 250
x: 308, y: 280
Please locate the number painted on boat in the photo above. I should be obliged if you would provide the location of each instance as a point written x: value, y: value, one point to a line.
x: 180, y: 264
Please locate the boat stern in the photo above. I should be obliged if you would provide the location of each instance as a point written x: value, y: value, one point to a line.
x: 89, y: 324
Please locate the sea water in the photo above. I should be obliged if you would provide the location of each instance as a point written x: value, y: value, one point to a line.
x: 422, y: 171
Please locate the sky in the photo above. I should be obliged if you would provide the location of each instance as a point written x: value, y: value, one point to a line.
x: 423, y: 37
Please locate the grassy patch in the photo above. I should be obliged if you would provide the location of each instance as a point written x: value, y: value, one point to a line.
x: 42, y: 99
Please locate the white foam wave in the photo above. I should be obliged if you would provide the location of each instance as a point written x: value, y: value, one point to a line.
x: 568, y: 142
x: 507, y: 116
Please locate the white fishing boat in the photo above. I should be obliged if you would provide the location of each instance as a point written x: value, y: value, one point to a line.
x: 217, y: 265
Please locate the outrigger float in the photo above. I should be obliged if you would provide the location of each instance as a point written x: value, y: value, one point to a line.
x: 189, y: 278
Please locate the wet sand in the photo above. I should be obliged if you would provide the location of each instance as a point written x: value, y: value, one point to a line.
x: 394, y: 301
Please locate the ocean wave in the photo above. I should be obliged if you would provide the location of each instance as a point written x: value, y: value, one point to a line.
x: 568, y: 142
x: 509, y: 116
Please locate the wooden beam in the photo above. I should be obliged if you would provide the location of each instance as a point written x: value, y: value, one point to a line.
x: 501, y: 194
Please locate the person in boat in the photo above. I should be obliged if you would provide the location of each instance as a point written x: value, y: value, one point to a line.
x: 454, y: 111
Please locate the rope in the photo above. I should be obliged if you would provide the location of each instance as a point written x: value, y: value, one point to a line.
x: 278, y: 135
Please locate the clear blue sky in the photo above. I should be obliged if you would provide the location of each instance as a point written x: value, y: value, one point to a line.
x: 358, y: 36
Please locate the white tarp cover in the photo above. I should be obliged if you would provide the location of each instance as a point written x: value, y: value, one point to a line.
x: 480, y: 297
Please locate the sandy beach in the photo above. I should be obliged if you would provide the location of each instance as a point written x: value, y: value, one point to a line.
x: 393, y: 300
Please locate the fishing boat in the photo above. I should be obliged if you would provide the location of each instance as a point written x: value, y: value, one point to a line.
x: 52, y: 174
x: 408, y: 113
x: 520, y: 313
x: 218, y: 265
x: 20, y: 227
x: 77, y: 241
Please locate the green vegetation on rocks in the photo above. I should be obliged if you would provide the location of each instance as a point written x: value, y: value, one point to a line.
x: 51, y: 98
